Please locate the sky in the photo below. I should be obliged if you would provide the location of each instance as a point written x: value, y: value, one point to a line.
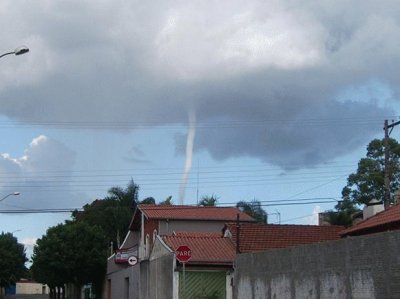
x: 268, y: 100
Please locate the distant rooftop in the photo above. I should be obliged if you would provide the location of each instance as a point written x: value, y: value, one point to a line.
x: 382, y: 221
x: 260, y: 237
x: 175, y: 212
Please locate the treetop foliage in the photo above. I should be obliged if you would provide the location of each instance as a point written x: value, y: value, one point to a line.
x: 128, y: 196
x: 208, y: 201
x: 166, y: 202
x: 74, y: 252
x: 12, y: 260
x: 368, y: 182
x: 253, y: 209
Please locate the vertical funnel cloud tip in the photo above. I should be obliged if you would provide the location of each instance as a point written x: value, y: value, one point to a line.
x: 189, y: 154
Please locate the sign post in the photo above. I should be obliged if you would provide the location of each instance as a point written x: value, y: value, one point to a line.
x: 183, y: 254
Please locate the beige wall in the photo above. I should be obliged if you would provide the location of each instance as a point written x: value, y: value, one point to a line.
x: 31, y: 288
x: 167, y: 227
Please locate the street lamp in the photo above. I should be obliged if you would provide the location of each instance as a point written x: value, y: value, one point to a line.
x: 18, y: 51
x: 15, y: 193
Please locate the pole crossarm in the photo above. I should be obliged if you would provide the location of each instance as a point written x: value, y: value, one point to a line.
x: 392, y: 125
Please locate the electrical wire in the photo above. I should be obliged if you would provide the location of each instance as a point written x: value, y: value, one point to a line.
x: 305, y: 122
x: 262, y: 203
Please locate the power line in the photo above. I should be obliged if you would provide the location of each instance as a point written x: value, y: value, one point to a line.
x: 38, y: 211
x: 172, y: 181
x: 178, y: 170
x: 305, y: 122
x: 170, y: 176
x: 263, y: 203
x: 65, y: 177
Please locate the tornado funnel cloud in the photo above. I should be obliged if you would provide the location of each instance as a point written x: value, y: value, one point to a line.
x: 189, y: 156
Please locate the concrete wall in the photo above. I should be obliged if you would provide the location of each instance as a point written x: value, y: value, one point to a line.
x: 157, y: 278
x: 357, y: 267
x: 123, y: 282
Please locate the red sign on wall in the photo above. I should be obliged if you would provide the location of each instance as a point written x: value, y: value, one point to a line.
x: 122, y: 255
x: 183, y: 253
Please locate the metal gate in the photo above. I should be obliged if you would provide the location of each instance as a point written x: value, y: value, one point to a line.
x: 202, y: 285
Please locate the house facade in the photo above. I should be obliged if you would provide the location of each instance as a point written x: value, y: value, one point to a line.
x: 129, y: 269
x: 209, y: 271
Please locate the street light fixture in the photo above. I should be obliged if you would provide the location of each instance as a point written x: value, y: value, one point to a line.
x: 15, y: 193
x: 18, y: 51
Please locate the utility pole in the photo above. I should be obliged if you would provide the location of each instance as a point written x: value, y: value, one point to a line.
x: 386, y: 196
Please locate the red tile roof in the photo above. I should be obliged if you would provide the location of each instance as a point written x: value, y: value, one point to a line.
x: 210, y: 250
x: 227, y: 214
x: 260, y: 237
x: 381, y: 221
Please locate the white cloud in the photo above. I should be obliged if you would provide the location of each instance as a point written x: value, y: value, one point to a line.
x: 29, y: 242
x: 44, y: 168
x: 314, y: 219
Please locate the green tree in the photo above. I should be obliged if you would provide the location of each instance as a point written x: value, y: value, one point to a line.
x: 253, y: 209
x: 75, y: 253
x: 110, y: 216
x: 166, y: 202
x: 344, y: 211
x: 48, y: 260
x: 367, y: 182
x: 208, y: 201
x: 12, y: 260
x: 60, y: 255
x: 128, y: 196
x: 113, y: 213
x: 148, y: 201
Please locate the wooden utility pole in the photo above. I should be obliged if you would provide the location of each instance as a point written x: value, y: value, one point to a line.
x: 237, y: 234
x: 386, y: 195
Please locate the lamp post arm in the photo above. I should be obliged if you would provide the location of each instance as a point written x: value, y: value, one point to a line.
x: 15, y: 193
x: 5, y: 197
x: 18, y: 51
x: 9, y: 53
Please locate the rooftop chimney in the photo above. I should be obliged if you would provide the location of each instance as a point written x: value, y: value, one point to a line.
x: 372, y: 208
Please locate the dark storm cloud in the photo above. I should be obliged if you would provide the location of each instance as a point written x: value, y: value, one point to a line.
x: 271, y: 70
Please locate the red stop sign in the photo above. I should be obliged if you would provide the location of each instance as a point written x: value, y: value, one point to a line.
x: 183, y: 253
